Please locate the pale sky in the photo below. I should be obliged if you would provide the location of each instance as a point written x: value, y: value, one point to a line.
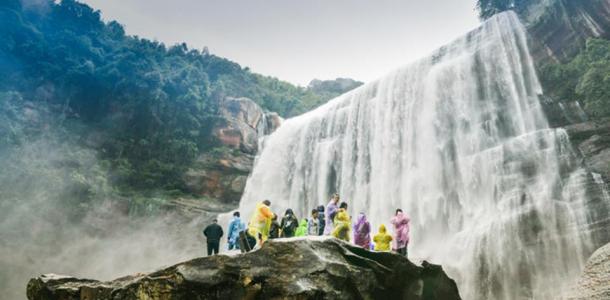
x: 298, y: 40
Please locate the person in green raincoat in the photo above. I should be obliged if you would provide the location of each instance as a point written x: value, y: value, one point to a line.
x: 302, y: 229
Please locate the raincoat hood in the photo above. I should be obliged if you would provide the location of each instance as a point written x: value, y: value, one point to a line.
x: 382, y: 229
x: 361, y: 219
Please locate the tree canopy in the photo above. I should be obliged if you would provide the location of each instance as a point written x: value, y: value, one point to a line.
x: 488, y: 8
x: 153, y: 104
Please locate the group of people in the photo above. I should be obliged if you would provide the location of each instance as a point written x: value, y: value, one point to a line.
x: 333, y: 219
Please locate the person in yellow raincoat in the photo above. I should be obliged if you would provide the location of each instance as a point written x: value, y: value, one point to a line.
x: 343, y: 225
x: 382, y: 239
x: 261, y: 221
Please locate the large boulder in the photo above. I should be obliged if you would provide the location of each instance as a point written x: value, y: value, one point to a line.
x: 594, y: 283
x: 297, y: 268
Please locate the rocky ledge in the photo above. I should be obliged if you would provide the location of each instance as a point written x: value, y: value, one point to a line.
x: 298, y: 268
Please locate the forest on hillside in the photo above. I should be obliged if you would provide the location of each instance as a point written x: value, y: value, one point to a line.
x: 150, y: 105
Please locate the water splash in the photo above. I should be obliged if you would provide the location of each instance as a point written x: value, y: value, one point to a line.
x: 460, y: 142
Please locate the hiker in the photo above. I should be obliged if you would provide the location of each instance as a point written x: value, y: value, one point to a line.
x: 302, y: 229
x: 342, y: 225
x: 213, y: 233
x: 362, y: 231
x: 321, y: 220
x: 382, y: 240
x: 289, y: 224
x: 274, y: 229
x: 247, y: 241
x: 313, y: 226
x: 401, y: 232
x: 235, y: 227
x: 261, y: 221
x: 331, y: 210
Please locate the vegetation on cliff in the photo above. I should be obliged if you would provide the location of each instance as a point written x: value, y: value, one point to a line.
x: 586, y: 78
x: 150, y: 105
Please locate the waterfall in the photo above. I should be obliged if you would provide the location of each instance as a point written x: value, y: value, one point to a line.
x: 459, y: 141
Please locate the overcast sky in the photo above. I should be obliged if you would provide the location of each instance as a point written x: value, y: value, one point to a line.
x: 298, y: 40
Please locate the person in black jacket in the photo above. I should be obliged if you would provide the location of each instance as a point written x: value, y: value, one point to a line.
x: 321, y: 220
x: 274, y: 230
x: 213, y: 233
x: 289, y: 224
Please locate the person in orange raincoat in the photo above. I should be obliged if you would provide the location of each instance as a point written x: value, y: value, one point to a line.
x: 382, y: 239
x: 261, y: 221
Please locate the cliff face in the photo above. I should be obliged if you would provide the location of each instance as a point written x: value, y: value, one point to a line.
x: 298, y: 268
x: 221, y: 173
x: 560, y: 28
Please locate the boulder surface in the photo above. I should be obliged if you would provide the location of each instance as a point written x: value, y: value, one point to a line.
x: 297, y: 268
x: 594, y: 283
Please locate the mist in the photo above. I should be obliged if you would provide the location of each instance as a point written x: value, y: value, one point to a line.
x: 59, y: 214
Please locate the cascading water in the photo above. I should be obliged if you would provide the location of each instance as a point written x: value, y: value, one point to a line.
x: 459, y: 141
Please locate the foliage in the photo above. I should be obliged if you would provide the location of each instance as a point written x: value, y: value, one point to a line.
x: 586, y: 78
x: 488, y: 8
x: 153, y: 106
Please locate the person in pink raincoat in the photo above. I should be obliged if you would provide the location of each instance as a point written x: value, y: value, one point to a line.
x: 362, y: 232
x: 400, y: 221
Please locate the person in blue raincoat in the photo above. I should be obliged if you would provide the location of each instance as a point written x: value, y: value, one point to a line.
x: 235, y: 227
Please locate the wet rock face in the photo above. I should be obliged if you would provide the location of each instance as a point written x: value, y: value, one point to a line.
x: 594, y: 284
x: 316, y: 268
x: 560, y: 28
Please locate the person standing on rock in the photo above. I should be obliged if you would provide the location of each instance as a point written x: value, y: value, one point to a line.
x: 400, y: 221
x: 321, y: 220
x: 362, y: 231
x: 235, y: 227
x: 302, y: 229
x: 274, y: 229
x: 261, y: 222
x: 289, y: 224
x: 342, y: 225
x: 313, y: 226
x: 331, y: 210
x: 213, y: 233
x: 382, y: 240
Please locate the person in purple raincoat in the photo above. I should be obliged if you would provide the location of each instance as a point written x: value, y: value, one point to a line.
x: 331, y: 211
x: 362, y: 231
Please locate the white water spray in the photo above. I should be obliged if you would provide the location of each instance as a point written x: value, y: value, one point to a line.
x: 460, y: 142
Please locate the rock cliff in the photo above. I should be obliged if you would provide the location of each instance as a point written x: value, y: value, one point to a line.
x: 558, y: 31
x: 298, y: 268
x: 560, y: 28
x: 221, y: 173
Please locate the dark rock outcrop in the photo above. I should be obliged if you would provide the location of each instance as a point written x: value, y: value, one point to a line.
x: 594, y: 283
x: 316, y: 268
